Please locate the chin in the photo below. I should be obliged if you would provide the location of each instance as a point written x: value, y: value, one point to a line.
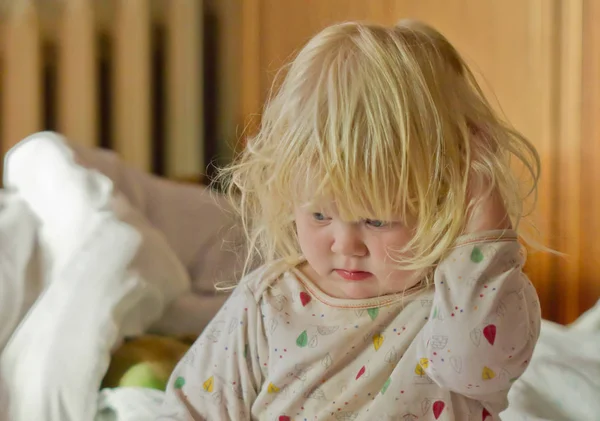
x: 358, y: 292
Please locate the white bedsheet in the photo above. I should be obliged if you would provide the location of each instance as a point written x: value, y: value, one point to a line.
x: 562, y: 382
x: 129, y: 403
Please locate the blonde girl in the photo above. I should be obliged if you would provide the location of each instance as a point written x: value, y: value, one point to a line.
x: 379, y: 193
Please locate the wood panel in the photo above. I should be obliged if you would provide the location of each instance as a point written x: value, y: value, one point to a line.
x: 589, y: 276
x: 131, y: 73
x: 21, y: 75
x: 537, y: 61
x: 568, y: 161
x: 77, y: 106
x: 545, y: 59
x: 125, y: 74
x: 251, y: 54
x: 185, y: 128
x: 231, y: 66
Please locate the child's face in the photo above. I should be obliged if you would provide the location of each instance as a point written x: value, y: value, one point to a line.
x: 350, y: 260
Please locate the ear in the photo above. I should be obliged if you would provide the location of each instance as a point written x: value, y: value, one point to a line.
x: 487, y: 210
x: 473, y: 128
x: 481, y: 140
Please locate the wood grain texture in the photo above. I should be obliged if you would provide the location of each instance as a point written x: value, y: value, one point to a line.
x: 126, y: 74
x: 589, y: 277
x: 544, y: 128
x: 77, y: 73
x: 184, y: 89
x: 568, y: 164
x: 131, y: 74
x: 21, y: 75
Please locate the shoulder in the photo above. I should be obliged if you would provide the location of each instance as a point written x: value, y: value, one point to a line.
x: 263, y: 280
x: 488, y: 247
x: 488, y: 236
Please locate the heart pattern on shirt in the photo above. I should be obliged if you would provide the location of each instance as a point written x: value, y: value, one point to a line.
x: 305, y: 298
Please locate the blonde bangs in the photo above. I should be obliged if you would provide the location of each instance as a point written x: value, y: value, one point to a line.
x: 348, y: 137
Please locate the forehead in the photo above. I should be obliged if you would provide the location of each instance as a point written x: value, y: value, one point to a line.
x: 350, y: 194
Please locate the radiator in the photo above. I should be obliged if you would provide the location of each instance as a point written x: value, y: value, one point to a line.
x: 122, y: 74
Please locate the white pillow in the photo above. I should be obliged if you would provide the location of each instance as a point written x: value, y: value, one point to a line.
x: 111, y: 274
x: 196, y: 221
x: 197, y: 224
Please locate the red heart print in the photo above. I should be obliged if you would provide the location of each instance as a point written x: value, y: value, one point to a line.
x: 305, y: 298
x: 284, y: 418
x: 438, y: 407
x: 490, y: 333
x: 485, y: 414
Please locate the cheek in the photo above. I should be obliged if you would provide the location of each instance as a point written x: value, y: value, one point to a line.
x: 398, y: 240
x: 313, y: 240
x: 387, y: 245
x: 302, y: 230
x: 377, y: 250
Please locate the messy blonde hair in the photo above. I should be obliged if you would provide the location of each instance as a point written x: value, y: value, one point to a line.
x: 387, y: 122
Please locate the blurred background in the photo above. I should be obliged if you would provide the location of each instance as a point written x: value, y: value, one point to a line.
x: 174, y: 85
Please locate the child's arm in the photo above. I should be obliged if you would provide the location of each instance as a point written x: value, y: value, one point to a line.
x: 486, y: 318
x: 220, y: 376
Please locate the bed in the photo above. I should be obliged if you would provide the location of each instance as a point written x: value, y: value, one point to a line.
x: 93, y: 251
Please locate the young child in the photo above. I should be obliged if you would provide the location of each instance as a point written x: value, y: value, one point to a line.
x: 380, y: 196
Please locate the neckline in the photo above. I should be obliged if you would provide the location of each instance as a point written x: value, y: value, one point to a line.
x: 358, y: 304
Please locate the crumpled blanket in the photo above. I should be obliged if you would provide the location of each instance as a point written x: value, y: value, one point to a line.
x: 81, y: 269
x: 562, y: 382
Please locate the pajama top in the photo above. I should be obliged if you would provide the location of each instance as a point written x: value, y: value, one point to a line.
x: 281, y: 349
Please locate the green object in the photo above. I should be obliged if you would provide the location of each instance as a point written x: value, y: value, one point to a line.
x: 302, y: 340
x: 146, y: 361
x: 179, y: 382
x: 386, y: 385
x: 373, y: 313
x: 143, y: 375
x: 476, y: 255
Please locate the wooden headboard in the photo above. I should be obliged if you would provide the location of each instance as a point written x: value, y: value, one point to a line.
x: 124, y: 74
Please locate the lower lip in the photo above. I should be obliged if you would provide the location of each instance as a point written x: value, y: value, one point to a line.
x: 353, y: 276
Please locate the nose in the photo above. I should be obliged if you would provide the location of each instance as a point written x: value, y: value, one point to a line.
x: 348, y: 242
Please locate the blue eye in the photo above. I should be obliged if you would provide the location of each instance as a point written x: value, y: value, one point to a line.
x: 375, y: 223
x: 319, y: 216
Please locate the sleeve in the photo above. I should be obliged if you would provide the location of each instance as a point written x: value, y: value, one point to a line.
x: 485, y: 319
x: 220, y: 376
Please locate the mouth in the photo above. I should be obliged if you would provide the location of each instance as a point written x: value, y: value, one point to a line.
x: 352, y: 275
